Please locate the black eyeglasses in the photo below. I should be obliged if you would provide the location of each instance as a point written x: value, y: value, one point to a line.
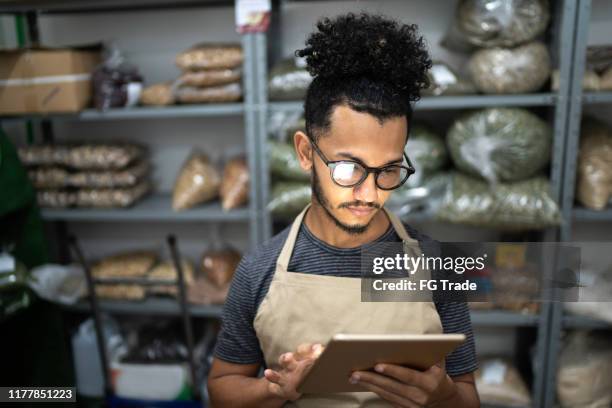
x: 349, y: 173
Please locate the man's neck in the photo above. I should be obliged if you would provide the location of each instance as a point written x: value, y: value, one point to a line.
x: 324, y: 228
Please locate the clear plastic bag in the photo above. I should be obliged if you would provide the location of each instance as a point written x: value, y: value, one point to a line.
x: 499, y: 383
x: 289, y: 198
x: 605, y: 82
x: 219, y: 265
x: 210, y: 56
x: 284, y: 163
x: 509, y: 71
x: 115, y: 82
x: 133, y: 264
x: 57, y: 177
x: 288, y: 81
x: 210, y: 77
x: 590, y: 81
x: 158, y: 95
x: 500, y: 144
x: 97, y: 156
x: 58, y: 283
x: 112, y: 197
x: 197, y: 182
x: 211, y: 94
x: 234, y: 189
x: 427, y: 151
x: 594, y: 177
x: 521, y: 205
x: 584, y: 374
x: 505, y: 23
x: 444, y: 80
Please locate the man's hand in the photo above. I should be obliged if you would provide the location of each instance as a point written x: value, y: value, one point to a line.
x: 293, y: 368
x: 407, y: 388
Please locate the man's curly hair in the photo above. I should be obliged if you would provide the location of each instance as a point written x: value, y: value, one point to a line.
x: 368, y: 62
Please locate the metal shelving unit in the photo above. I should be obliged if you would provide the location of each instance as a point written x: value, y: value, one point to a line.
x: 571, y: 213
x: 151, y: 306
x: 151, y: 208
x: 156, y: 207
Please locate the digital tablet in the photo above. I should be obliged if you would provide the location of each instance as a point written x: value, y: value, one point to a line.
x: 346, y: 353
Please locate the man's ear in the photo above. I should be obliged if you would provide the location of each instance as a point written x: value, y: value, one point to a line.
x: 303, y: 149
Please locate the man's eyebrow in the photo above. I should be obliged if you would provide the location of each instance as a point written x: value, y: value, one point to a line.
x: 360, y: 161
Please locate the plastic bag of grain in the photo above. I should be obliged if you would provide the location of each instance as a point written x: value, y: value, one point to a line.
x: 520, y: 205
x: 111, y: 197
x: 210, y: 56
x: 427, y: 152
x: 505, y: 23
x: 158, y: 95
x: 289, y: 198
x: 443, y: 80
x: 198, y: 181
x: 211, y: 94
x: 210, y: 77
x: 499, y: 383
x: 284, y: 163
x: 500, y: 144
x: 594, y: 177
x: 103, y: 156
x: 510, y: 70
x: 584, y: 374
x: 132, y: 264
x: 289, y: 80
x: 234, y: 189
x: 219, y: 265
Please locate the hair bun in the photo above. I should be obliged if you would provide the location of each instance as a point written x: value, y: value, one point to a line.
x: 372, y: 46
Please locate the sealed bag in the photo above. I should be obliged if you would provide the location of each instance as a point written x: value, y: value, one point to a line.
x: 501, y: 23
x: 500, y: 144
x: 218, y: 266
x: 116, y: 83
x: 284, y: 163
x: 526, y: 204
x: 211, y: 94
x: 57, y: 177
x: 99, y: 156
x: 427, y: 152
x: 133, y: 264
x: 584, y: 374
x: 289, y: 81
x: 210, y: 56
x: 509, y: 71
x: 120, y: 291
x: 198, y: 181
x: 289, y: 198
x: 234, y: 189
x: 210, y: 77
x: 499, y: 383
x: 594, y: 176
x: 443, y: 80
x: 158, y: 95
x: 590, y: 81
x: 111, y: 197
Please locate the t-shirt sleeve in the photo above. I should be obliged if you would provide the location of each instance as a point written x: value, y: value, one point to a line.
x: 237, y: 341
x: 455, y: 317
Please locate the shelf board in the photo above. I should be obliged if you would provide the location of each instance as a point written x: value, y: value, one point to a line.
x: 150, y: 208
x: 454, y: 102
x: 84, y: 6
x: 149, y: 306
x: 581, y: 322
x: 596, y: 97
x: 140, y: 112
x: 502, y: 318
x: 584, y: 214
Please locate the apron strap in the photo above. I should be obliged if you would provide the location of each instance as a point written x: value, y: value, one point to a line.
x: 285, y: 255
x: 282, y: 262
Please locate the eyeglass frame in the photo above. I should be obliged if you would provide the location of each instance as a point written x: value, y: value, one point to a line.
x: 331, y: 164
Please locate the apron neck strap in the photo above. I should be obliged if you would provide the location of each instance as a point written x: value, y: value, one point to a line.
x: 285, y: 255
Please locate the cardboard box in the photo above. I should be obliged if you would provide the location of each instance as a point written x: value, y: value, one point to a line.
x: 46, y: 80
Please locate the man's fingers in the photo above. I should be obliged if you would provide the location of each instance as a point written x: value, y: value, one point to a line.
x: 390, y: 384
x: 287, y: 361
x: 406, y: 375
x: 272, y: 376
x: 304, y: 350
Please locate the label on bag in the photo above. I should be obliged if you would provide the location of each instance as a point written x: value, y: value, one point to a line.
x: 252, y: 16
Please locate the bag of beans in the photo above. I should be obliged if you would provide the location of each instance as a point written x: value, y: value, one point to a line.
x: 198, y: 181
x: 234, y: 190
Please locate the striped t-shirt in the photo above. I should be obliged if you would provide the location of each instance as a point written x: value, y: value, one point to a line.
x: 237, y: 341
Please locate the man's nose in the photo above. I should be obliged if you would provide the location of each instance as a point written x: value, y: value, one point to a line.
x: 367, y: 190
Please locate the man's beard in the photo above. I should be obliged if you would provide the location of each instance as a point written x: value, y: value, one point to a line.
x: 320, y: 197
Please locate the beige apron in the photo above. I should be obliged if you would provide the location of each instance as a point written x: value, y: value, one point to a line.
x: 308, y: 308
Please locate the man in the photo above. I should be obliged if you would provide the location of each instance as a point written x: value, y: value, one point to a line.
x: 294, y: 292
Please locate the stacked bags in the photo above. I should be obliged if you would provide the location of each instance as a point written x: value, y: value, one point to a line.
x: 87, y: 175
x: 500, y: 154
x: 211, y: 73
x: 509, y: 59
x: 594, y: 177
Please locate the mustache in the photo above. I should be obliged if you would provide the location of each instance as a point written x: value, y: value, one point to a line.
x: 359, y: 204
